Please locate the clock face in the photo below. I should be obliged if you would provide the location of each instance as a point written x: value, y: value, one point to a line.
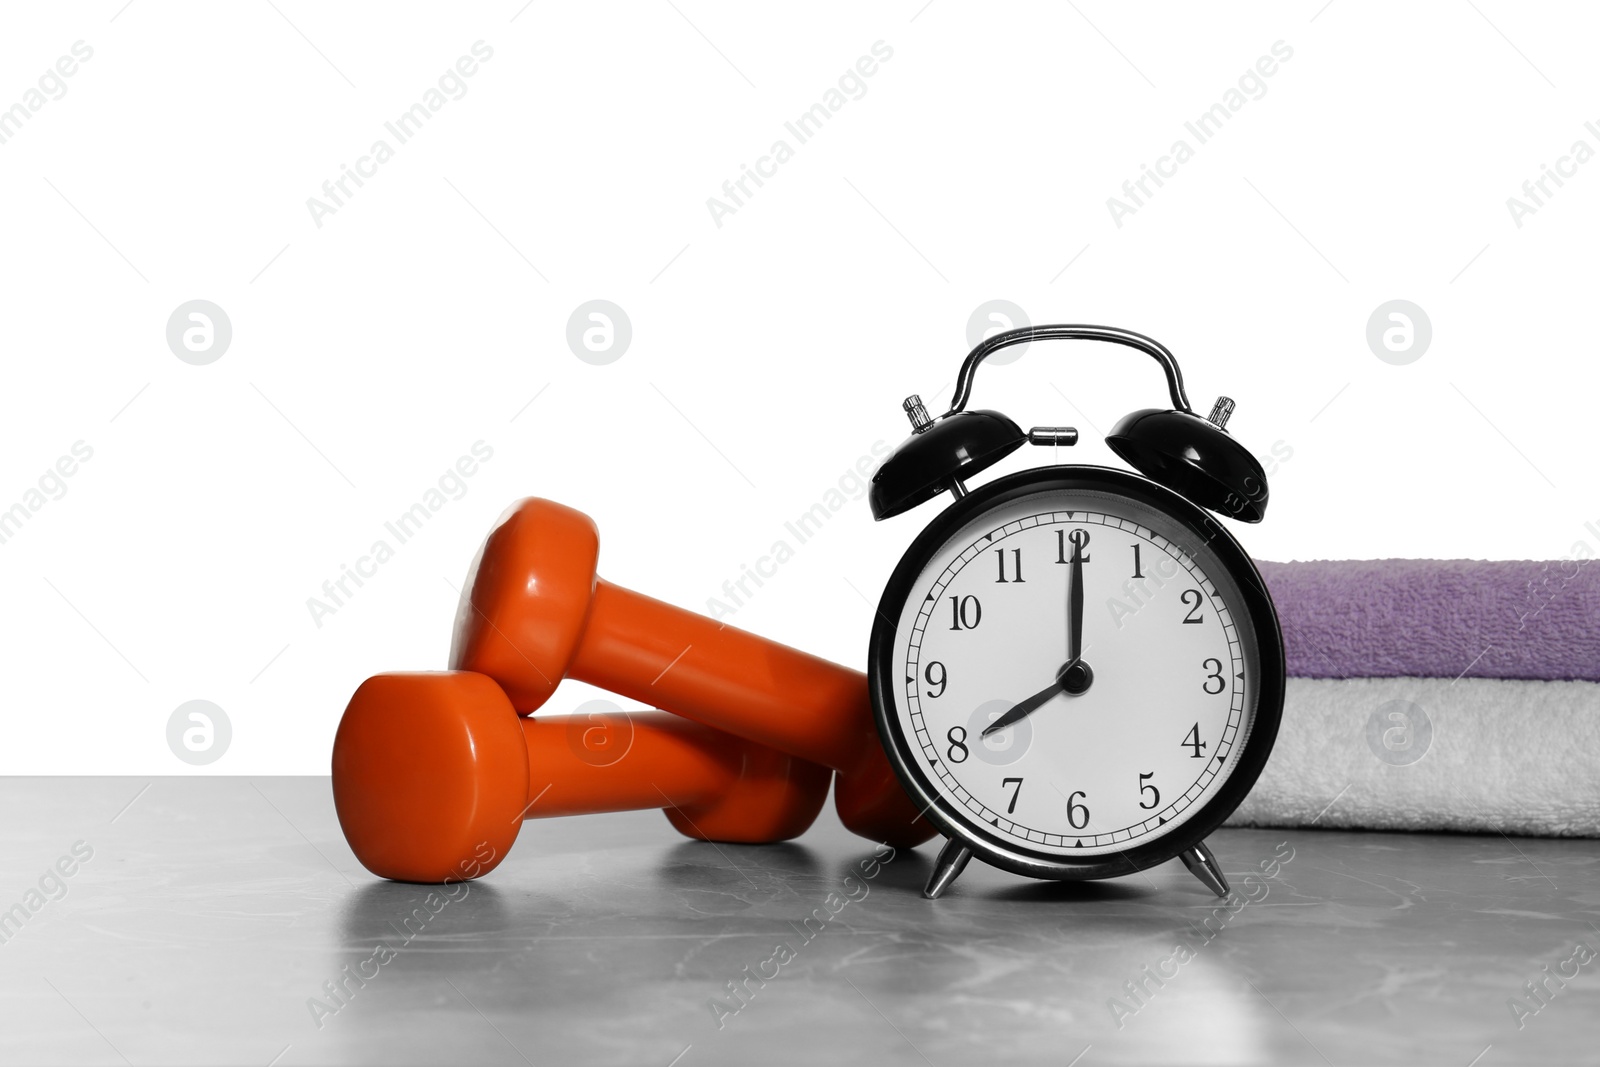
x: 1119, y: 750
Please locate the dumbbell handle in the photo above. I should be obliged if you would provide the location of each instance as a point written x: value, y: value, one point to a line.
x: 689, y: 765
x: 721, y: 676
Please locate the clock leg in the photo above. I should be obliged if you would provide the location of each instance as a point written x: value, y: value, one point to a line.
x: 951, y: 862
x: 1203, y: 865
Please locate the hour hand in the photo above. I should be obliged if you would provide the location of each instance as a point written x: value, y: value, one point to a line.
x: 1028, y: 706
x: 1074, y: 678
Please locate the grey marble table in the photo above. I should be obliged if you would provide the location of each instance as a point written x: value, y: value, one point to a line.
x: 223, y: 920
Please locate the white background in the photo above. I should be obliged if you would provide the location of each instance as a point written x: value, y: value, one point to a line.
x: 769, y: 354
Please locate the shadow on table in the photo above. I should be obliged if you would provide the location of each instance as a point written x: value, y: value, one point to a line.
x: 699, y: 864
x: 401, y: 915
x: 1046, y: 892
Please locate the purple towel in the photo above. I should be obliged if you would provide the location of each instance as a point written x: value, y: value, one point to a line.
x: 1439, y: 618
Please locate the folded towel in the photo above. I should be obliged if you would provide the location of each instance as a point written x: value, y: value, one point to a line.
x: 1427, y: 618
x: 1477, y: 755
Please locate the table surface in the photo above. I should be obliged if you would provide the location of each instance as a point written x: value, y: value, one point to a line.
x: 213, y: 912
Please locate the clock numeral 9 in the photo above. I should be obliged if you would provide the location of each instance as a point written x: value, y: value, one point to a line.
x: 1215, y: 667
x: 965, y: 613
x: 1000, y: 558
x: 1080, y: 541
x: 1194, y: 615
x: 1146, y: 787
x: 938, y: 682
x: 1077, y: 814
x: 958, y: 743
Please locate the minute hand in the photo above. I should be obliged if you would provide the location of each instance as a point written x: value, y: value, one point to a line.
x: 1075, y: 606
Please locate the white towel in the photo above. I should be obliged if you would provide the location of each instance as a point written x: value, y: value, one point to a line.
x: 1475, y: 755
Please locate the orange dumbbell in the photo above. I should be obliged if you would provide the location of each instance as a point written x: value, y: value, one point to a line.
x: 433, y: 774
x: 533, y: 611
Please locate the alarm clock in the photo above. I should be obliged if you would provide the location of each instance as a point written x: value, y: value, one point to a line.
x: 1076, y: 671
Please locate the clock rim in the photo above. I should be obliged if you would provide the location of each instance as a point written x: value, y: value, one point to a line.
x: 1263, y: 622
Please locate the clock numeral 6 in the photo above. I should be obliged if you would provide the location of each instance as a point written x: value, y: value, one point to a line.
x: 1146, y: 787
x: 939, y: 682
x: 958, y: 743
x: 1077, y: 814
x: 965, y: 613
x: 1214, y: 666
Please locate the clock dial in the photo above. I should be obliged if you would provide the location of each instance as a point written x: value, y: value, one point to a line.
x: 1116, y: 644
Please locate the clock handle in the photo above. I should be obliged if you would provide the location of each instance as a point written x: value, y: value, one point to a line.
x: 1203, y: 865
x: 947, y: 868
x: 1149, y: 346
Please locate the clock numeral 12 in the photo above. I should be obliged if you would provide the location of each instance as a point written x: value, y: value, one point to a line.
x: 1000, y: 558
x: 1080, y: 541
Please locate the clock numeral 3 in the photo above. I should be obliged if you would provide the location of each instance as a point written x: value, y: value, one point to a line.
x: 1191, y: 741
x: 965, y: 613
x: 1011, y: 809
x: 1194, y: 615
x: 938, y: 682
x: 1215, y: 667
x: 1146, y: 787
x: 1000, y: 558
x: 958, y: 743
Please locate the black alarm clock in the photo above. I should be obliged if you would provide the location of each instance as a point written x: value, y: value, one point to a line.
x: 1077, y: 672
